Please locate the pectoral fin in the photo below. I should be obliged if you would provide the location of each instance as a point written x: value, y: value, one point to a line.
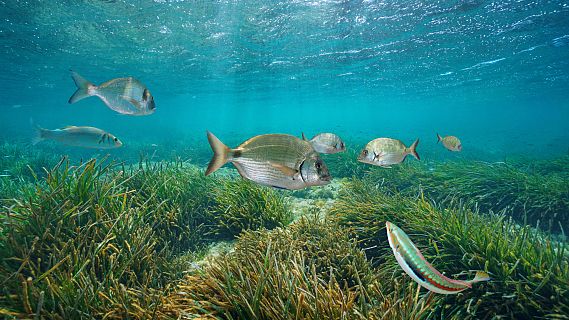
x: 286, y: 170
x: 135, y: 103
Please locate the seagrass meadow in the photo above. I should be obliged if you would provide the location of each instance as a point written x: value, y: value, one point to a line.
x: 159, y: 240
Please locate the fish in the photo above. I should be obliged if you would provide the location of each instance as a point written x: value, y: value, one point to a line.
x: 123, y: 95
x: 327, y: 143
x: 86, y: 137
x: 415, y: 265
x: 452, y: 143
x: 277, y: 160
x: 385, y: 152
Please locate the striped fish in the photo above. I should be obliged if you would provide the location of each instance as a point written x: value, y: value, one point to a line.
x: 276, y: 160
x: 452, y: 143
x: 327, y: 143
x: 385, y: 152
x: 123, y: 95
x: 415, y: 265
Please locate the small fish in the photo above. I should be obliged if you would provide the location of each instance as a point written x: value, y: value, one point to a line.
x: 123, y: 95
x: 415, y: 265
x: 326, y: 143
x: 384, y: 152
x: 4, y: 175
x: 276, y: 160
x: 86, y: 137
x: 452, y: 143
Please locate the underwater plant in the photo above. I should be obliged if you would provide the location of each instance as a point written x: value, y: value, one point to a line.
x: 243, y: 205
x: 530, y: 198
x: 311, y: 270
x: 106, y: 240
x: 529, y: 270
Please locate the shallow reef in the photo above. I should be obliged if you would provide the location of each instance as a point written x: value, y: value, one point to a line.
x: 311, y: 270
x: 100, y: 239
x: 160, y: 240
x: 529, y: 269
x: 535, y: 194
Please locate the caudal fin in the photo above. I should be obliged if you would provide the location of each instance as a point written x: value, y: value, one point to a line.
x: 439, y: 138
x: 82, y: 87
x: 221, y: 153
x: 413, y: 149
x: 39, y: 133
x: 480, y: 276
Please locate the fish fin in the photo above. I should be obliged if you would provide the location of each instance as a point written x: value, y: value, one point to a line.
x: 479, y: 277
x: 413, y: 149
x: 439, y: 138
x: 221, y: 153
x: 304, y: 137
x: 286, y: 170
x: 39, y: 133
x: 133, y: 101
x: 83, y: 85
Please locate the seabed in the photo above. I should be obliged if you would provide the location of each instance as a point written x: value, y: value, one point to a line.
x: 157, y: 239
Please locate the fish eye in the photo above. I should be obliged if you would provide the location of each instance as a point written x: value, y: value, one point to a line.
x: 318, y: 165
x: 116, y: 139
x: 365, y: 152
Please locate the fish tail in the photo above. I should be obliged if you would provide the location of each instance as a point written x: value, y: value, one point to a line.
x: 39, y: 133
x: 221, y: 153
x: 439, y: 138
x: 480, y: 276
x: 83, y: 86
x: 304, y: 137
x: 413, y: 149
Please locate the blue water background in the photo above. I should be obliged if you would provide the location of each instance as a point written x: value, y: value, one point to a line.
x: 495, y: 74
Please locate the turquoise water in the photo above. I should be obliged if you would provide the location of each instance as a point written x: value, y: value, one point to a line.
x: 493, y: 74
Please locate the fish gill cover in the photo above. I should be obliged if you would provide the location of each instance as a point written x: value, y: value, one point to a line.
x: 90, y: 227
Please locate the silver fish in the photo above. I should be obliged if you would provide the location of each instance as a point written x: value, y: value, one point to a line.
x: 452, y: 143
x: 326, y: 143
x: 123, y: 95
x: 386, y: 151
x: 86, y: 137
x: 277, y: 160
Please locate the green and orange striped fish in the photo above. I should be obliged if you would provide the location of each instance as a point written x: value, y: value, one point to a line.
x: 415, y: 265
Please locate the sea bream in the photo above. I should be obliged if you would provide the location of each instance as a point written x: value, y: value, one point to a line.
x: 326, y: 143
x: 415, y: 265
x: 123, y: 95
x: 276, y: 160
x: 86, y: 137
x: 452, y: 143
x: 385, y: 152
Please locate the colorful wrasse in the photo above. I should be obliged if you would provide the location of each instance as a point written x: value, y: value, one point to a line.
x: 415, y: 265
